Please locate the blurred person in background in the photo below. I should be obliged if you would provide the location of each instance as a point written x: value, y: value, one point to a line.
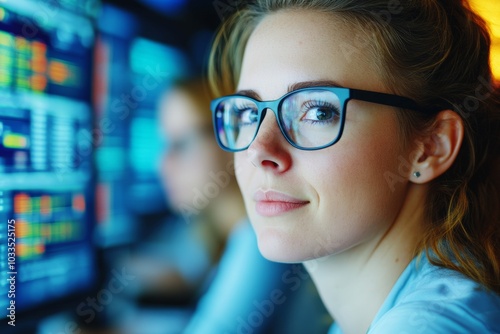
x: 198, y: 179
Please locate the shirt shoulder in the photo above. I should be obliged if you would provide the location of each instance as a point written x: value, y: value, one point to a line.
x: 430, y: 299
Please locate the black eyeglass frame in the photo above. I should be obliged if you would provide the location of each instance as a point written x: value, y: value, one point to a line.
x: 344, y: 94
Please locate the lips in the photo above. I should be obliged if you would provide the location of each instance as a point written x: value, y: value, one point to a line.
x: 272, y: 203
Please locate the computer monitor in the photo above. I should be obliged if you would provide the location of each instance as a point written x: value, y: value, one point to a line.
x: 112, y: 87
x: 46, y: 145
x: 130, y: 74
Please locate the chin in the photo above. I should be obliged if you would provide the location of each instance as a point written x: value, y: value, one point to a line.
x: 277, y: 247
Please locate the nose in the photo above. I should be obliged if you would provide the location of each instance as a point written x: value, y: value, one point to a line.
x: 270, y: 149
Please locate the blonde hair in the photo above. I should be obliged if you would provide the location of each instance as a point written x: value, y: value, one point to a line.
x: 435, y: 52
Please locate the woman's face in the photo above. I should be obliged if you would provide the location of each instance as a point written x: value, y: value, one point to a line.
x: 192, y: 153
x: 308, y: 204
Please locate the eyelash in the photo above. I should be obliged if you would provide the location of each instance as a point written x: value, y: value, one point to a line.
x: 240, y: 108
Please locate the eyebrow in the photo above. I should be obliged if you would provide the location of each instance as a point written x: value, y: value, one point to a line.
x: 298, y: 85
x: 314, y: 83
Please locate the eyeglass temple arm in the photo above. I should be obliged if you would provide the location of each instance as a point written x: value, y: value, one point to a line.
x: 393, y: 101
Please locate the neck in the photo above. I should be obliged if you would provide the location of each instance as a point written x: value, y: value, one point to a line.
x: 353, y: 284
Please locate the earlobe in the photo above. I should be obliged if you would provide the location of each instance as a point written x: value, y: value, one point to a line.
x: 439, y: 148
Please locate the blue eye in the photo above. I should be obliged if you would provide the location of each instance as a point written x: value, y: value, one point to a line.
x: 247, y: 115
x: 320, y: 112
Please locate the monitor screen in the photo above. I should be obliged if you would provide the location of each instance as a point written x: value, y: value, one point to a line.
x: 130, y: 74
x: 113, y: 109
x: 46, y: 146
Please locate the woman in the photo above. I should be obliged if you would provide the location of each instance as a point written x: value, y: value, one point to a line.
x: 367, y: 146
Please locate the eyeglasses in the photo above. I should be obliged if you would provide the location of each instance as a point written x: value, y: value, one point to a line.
x: 309, y: 118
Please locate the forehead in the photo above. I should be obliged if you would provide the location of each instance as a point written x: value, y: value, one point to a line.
x: 304, y: 45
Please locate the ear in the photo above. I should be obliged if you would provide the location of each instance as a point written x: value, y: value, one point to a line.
x: 438, y: 149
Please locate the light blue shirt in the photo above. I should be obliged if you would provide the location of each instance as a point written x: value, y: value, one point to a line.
x: 433, y: 300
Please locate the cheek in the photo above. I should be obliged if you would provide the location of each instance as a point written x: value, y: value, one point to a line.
x: 242, y: 171
x: 368, y: 150
x: 357, y: 179
x: 364, y: 167
x: 355, y: 201
x: 245, y: 175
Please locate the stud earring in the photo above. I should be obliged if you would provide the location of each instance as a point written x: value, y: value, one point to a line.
x: 416, y: 174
